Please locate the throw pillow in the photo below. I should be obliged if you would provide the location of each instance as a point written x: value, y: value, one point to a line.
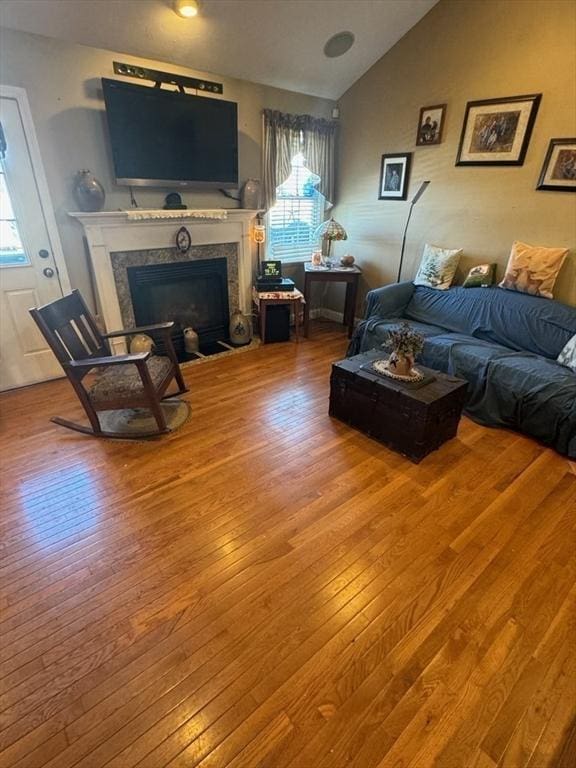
x: 568, y: 355
x: 533, y: 269
x: 480, y: 276
x: 438, y: 267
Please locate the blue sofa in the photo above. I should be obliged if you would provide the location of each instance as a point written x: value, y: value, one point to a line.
x: 504, y: 343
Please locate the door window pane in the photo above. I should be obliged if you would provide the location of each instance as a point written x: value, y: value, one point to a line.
x: 12, y: 251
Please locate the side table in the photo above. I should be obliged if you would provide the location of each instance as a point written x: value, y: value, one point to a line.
x: 348, y: 275
x: 263, y: 299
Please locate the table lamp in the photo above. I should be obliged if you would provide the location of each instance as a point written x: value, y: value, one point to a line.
x: 329, y: 231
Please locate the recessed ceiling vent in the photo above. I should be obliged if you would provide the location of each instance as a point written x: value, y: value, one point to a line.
x: 339, y: 44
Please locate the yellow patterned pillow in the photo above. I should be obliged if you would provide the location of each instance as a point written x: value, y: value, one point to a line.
x: 533, y: 269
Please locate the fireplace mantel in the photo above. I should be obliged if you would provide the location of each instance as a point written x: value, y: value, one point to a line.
x: 191, y: 215
x: 111, y: 231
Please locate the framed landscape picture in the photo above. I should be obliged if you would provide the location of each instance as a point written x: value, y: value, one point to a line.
x: 394, y: 174
x: 559, y: 169
x: 430, y: 125
x: 497, y: 131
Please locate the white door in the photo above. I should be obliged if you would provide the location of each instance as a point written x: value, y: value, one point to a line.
x: 29, y: 249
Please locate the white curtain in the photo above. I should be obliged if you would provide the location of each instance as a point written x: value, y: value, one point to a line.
x: 284, y: 136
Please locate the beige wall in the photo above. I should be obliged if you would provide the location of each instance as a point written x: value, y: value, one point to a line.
x: 63, y: 85
x: 461, y: 51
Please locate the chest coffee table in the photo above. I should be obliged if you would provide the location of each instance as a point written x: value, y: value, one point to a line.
x: 412, y: 421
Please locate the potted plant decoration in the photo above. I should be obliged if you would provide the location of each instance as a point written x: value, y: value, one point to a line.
x: 405, y: 344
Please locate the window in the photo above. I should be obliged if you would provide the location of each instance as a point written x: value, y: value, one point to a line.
x: 12, y: 253
x: 298, y: 211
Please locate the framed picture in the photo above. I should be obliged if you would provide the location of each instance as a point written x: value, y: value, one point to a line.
x: 559, y: 169
x: 430, y: 125
x: 394, y: 174
x: 497, y: 131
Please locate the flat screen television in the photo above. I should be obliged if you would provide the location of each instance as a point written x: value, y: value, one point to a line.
x: 167, y: 138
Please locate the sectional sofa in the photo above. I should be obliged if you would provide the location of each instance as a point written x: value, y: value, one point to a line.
x: 504, y: 343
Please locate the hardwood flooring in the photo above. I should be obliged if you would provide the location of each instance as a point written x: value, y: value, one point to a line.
x: 268, y: 587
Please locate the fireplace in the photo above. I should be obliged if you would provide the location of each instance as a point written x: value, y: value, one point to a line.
x: 120, y: 239
x: 190, y: 293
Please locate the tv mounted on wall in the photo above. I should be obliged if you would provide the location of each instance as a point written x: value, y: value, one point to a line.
x: 166, y: 138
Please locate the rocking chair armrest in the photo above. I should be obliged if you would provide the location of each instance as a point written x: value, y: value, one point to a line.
x: 163, y: 328
x: 140, y: 329
x: 98, y: 362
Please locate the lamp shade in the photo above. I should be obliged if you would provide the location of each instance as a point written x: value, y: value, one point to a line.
x: 330, y: 230
x: 187, y: 9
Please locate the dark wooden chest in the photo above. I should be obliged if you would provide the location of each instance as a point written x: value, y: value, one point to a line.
x: 413, y: 422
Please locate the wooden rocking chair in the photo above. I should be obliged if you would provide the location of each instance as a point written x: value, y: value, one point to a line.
x: 122, y: 381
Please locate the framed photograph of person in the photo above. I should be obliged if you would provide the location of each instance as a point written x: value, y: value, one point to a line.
x: 430, y: 125
x: 497, y: 131
x: 394, y: 175
x: 559, y: 169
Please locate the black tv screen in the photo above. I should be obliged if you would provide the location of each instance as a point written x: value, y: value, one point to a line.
x: 167, y: 138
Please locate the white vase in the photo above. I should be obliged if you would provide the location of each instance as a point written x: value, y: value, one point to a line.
x: 191, y: 341
x: 250, y: 195
x: 240, y: 329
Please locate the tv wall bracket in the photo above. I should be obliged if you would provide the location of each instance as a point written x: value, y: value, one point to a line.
x: 166, y: 78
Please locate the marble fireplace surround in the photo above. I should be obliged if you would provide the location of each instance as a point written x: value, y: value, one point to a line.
x: 122, y: 260
x: 117, y: 237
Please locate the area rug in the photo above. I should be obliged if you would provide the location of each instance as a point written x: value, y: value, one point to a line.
x: 134, y: 422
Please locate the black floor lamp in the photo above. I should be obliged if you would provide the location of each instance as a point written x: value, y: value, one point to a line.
x: 415, y: 199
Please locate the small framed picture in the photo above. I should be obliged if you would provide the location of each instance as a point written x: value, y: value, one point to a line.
x: 559, y: 170
x: 430, y: 125
x: 394, y: 175
x: 497, y: 131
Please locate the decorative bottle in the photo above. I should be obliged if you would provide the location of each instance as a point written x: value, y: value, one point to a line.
x: 191, y: 341
x: 250, y: 195
x: 240, y: 329
x: 88, y: 191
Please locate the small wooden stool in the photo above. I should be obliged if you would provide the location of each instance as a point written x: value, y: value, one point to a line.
x: 263, y: 299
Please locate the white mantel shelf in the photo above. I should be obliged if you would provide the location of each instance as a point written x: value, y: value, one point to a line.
x: 111, y: 231
x: 142, y: 215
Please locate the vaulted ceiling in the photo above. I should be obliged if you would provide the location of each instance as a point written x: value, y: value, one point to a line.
x: 275, y: 42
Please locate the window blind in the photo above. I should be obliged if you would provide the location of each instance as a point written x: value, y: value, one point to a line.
x: 299, y: 210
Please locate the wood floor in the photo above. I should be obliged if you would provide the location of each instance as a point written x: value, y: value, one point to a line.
x: 267, y: 587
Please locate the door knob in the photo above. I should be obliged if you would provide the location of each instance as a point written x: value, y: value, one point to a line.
x: 48, y: 272
x: 43, y: 253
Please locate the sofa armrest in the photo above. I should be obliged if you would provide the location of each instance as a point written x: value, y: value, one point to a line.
x: 389, y: 301
x: 383, y: 303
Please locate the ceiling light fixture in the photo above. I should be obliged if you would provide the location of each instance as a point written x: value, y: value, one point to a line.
x: 339, y: 44
x: 187, y: 9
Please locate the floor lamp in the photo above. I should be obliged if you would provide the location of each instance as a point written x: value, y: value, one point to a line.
x: 415, y: 199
